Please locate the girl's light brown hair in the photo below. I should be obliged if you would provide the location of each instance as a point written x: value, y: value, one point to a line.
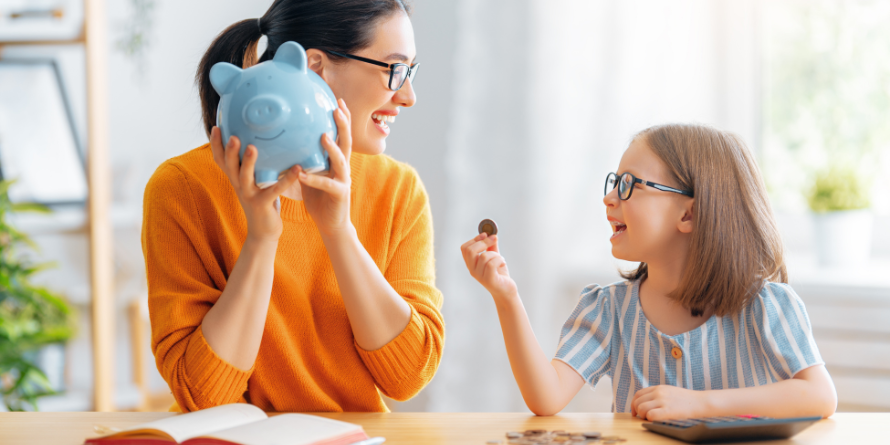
x: 735, y: 245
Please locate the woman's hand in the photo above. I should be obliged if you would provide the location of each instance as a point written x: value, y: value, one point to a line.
x: 261, y: 206
x: 487, y: 266
x: 327, y: 197
x: 663, y: 402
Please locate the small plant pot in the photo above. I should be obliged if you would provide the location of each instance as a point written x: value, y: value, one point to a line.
x: 843, y: 238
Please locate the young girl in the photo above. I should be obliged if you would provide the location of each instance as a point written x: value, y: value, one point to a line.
x: 706, y: 325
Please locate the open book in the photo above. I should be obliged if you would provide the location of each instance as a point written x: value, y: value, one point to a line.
x: 237, y: 424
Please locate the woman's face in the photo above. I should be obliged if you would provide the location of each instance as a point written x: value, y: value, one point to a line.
x: 652, y: 223
x: 364, y: 86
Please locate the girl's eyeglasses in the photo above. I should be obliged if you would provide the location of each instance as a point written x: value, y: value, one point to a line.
x: 398, y: 72
x: 626, y: 181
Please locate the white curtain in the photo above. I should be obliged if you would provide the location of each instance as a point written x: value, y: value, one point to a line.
x: 545, y: 97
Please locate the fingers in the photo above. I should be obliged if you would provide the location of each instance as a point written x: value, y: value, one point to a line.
x: 342, y: 103
x: 659, y: 413
x: 339, y: 164
x: 343, y: 118
x: 493, y: 263
x: 322, y: 183
x: 494, y: 247
x: 246, y: 173
x: 647, y: 410
x: 289, y: 177
x: 474, y: 247
x: 231, y: 161
x: 642, y: 396
x: 482, y: 261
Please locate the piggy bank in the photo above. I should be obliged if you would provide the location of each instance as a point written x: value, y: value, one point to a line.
x: 279, y: 106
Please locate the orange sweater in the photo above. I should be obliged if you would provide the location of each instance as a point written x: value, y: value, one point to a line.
x: 193, y: 230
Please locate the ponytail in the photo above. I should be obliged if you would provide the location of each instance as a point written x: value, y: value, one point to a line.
x: 343, y: 26
x: 236, y: 45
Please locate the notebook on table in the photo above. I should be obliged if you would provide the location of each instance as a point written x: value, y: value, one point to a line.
x: 236, y: 424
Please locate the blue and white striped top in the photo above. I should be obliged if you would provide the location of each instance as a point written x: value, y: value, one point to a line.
x: 607, y: 334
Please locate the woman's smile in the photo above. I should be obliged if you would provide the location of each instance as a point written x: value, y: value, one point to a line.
x: 382, y: 118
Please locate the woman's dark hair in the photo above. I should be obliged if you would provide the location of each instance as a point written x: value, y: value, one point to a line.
x: 344, y: 26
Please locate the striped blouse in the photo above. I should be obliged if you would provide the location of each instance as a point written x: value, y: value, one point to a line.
x: 607, y: 334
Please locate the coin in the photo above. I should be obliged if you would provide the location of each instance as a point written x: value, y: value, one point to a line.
x: 488, y: 226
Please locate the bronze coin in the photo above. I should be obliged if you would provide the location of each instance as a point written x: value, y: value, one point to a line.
x: 488, y: 226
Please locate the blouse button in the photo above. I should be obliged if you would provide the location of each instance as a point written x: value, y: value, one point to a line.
x: 676, y: 352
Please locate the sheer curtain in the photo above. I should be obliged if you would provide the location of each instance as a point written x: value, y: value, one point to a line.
x: 544, y: 98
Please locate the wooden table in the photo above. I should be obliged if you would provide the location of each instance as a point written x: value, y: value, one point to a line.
x: 439, y: 428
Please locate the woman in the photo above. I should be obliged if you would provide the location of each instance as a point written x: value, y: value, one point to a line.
x: 316, y: 294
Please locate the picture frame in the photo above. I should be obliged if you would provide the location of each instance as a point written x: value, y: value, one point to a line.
x: 41, y: 20
x: 39, y: 147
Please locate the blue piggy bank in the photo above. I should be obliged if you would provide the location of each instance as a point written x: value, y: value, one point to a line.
x: 281, y: 107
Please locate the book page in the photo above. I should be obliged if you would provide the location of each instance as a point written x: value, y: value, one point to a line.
x: 198, y: 423
x: 292, y: 429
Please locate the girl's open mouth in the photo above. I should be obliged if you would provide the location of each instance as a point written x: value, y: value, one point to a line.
x: 617, y: 229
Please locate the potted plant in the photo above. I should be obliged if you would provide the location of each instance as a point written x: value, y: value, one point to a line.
x: 31, y: 317
x: 843, y: 222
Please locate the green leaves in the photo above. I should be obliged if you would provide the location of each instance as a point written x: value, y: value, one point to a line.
x: 31, y: 317
x: 839, y: 188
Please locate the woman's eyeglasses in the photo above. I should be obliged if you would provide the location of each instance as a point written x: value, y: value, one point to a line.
x: 626, y: 181
x: 398, y: 72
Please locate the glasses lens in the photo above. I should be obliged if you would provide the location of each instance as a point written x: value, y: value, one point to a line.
x: 413, y: 72
x: 399, y: 73
x: 625, y: 185
x: 611, y: 181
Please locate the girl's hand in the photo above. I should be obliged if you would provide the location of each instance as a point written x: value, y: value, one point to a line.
x: 261, y: 206
x: 664, y: 402
x: 327, y: 197
x: 487, y: 266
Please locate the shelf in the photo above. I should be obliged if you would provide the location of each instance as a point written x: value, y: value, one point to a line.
x: 870, y: 281
x: 73, y: 219
x: 127, y: 397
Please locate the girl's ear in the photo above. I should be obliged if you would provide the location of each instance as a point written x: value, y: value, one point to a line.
x: 687, y: 221
x: 317, y: 61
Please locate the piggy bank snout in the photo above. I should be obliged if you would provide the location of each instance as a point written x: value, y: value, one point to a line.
x: 265, y: 112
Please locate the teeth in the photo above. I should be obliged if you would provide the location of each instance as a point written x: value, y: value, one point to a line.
x: 383, y: 118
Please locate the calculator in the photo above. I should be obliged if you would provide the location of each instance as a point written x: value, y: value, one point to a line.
x: 731, y: 428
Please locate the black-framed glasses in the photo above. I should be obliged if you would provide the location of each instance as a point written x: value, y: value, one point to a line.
x: 626, y: 182
x: 398, y: 72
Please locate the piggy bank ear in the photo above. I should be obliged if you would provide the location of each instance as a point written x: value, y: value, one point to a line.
x: 222, y: 74
x: 291, y: 53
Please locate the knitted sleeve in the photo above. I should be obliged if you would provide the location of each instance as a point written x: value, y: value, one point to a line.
x: 182, y: 287
x: 402, y: 367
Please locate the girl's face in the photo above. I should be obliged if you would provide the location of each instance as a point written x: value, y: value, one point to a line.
x: 364, y: 86
x: 652, y: 225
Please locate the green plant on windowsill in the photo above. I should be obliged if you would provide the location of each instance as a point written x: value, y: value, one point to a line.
x: 838, y: 188
x: 30, y: 316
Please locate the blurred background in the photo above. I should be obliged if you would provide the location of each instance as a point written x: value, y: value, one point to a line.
x: 523, y: 108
